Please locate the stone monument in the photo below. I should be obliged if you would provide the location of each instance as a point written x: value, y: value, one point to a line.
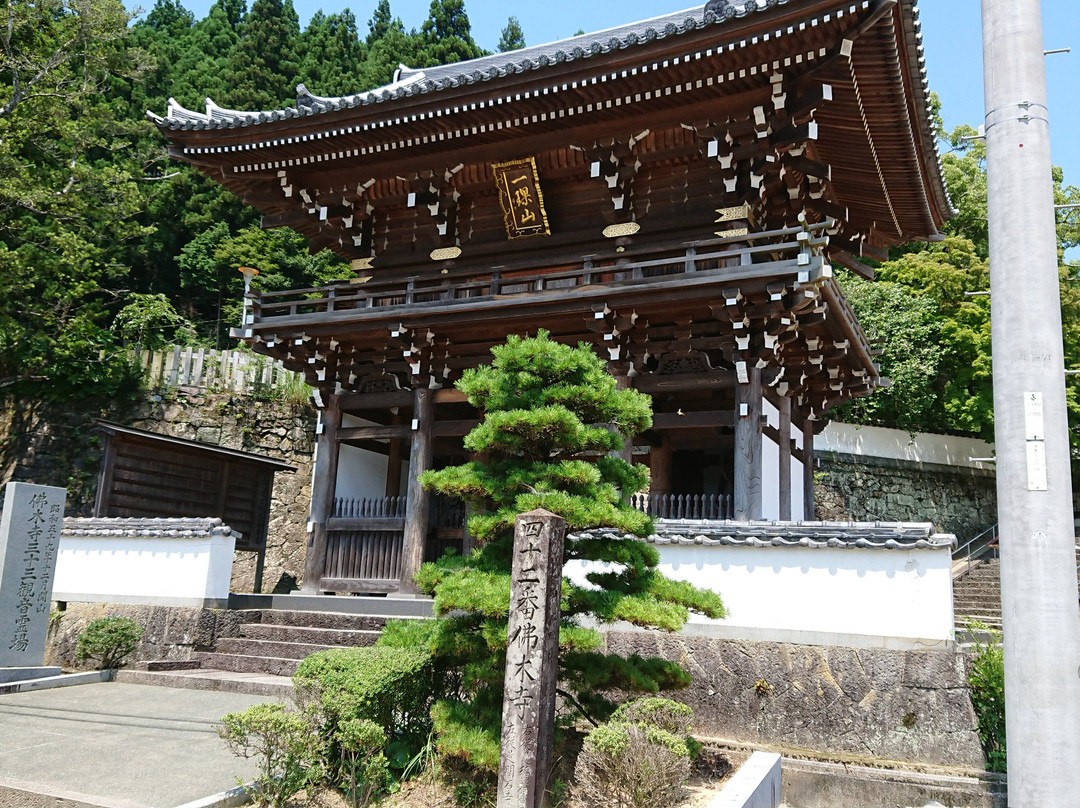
x: 29, y: 540
x: 532, y: 661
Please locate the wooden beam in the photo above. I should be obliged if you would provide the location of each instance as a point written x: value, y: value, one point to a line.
x: 649, y: 383
x: 693, y: 420
x: 375, y: 401
x: 418, y: 499
x: 748, y: 447
x: 322, y: 494
x: 358, y: 433
x: 393, y: 463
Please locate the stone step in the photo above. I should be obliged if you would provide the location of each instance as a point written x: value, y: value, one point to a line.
x: 256, y: 684
x: 244, y: 646
x: 275, y: 666
x: 985, y: 598
x: 305, y: 634
x: 326, y: 620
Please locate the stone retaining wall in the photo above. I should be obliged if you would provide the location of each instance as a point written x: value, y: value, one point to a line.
x: 51, y: 444
x: 169, y: 632
x: 859, y: 703
x: 957, y: 500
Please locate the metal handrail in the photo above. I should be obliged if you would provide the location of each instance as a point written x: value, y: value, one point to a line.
x: 973, y: 549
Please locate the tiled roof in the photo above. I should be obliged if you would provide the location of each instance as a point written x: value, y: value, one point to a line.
x: 818, y: 535
x: 139, y: 527
x: 408, y: 82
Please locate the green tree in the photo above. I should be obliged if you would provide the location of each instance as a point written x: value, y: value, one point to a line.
x: 332, y: 55
x: 551, y: 413
x: 380, y: 22
x: 512, y: 37
x: 69, y: 197
x: 264, y: 67
x: 446, y: 35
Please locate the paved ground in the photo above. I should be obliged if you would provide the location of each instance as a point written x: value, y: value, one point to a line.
x: 117, y: 745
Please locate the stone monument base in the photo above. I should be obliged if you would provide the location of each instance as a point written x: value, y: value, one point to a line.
x: 8, y: 675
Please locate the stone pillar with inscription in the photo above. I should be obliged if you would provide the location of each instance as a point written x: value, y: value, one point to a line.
x: 29, y: 540
x: 532, y: 661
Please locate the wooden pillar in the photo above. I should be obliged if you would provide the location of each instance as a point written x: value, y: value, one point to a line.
x: 627, y: 451
x: 748, y: 447
x: 660, y: 467
x: 323, y: 483
x: 393, y: 463
x: 417, y: 499
x: 785, y: 459
x: 808, y: 469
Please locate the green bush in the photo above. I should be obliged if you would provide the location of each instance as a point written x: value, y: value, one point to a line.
x: 108, y: 640
x: 364, y: 767
x: 286, y: 746
x: 392, y: 687
x: 986, y: 678
x: 638, y: 759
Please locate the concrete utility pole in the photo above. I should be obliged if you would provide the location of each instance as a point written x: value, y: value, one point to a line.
x: 1038, y: 563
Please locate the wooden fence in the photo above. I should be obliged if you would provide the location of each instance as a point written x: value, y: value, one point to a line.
x: 232, y: 371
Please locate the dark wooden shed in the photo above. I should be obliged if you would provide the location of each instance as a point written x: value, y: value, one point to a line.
x: 151, y: 475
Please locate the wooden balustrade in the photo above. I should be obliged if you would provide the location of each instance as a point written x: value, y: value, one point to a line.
x: 685, y: 506
x: 793, y: 244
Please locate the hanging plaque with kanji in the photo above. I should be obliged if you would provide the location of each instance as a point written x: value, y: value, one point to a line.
x: 521, y: 198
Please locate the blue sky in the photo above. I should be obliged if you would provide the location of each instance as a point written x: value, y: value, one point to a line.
x: 951, y: 34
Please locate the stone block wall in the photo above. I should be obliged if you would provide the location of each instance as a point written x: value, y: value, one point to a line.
x: 169, y: 632
x: 957, y: 500
x: 871, y: 704
x: 51, y: 444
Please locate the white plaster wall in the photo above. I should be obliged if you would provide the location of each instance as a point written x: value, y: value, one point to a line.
x: 896, y: 444
x: 831, y: 591
x: 770, y: 466
x: 144, y: 569
x: 770, y: 470
x: 361, y: 473
x: 798, y: 502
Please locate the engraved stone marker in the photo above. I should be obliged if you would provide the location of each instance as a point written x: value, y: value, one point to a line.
x: 29, y: 538
x: 532, y: 661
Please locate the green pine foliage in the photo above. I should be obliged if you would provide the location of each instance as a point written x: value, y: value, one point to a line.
x: 551, y: 415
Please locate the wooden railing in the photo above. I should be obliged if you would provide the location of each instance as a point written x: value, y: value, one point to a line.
x: 685, y: 506
x: 795, y: 246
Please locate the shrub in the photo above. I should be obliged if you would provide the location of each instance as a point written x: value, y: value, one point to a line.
x: 108, y: 640
x: 363, y: 764
x: 285, y: 744
x: 628, y: 766
x: 986, y: 678
x: 640, y: 758
x: 392, y: 687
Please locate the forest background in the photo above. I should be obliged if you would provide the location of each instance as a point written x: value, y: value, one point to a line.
x: 106, y: 243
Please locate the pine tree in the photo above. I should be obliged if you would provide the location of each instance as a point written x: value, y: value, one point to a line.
x: 447, y: 35
x: 380, y: 21
x: 264, y: 67
x: 512, y: 38
x: 551, y: 415
x: 332, y: 55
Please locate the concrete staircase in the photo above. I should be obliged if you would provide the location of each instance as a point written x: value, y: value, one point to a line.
x: 977, y: 596
x: 272, y: 635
